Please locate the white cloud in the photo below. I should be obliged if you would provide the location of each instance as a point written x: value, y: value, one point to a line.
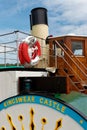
x: 67, y: 16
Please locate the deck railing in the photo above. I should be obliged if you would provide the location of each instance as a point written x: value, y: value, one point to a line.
x: 9, y: 43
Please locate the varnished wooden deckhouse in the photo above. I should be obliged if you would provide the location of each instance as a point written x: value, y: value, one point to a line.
x: 68, y: 54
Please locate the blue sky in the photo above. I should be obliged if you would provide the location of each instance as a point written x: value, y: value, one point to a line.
x: 64, y: 16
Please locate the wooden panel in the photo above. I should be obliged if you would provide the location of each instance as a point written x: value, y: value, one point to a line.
x: 60, y: 63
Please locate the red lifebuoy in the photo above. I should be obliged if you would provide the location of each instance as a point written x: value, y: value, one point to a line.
x: 25, y: 52
x: 29, y: 53
x: 20, y: 55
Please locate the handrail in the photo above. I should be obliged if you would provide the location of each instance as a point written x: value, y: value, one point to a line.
x: 85, y: 76
x: 75, y: 57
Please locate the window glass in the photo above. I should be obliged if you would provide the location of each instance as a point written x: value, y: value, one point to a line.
x: 77, y: 47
